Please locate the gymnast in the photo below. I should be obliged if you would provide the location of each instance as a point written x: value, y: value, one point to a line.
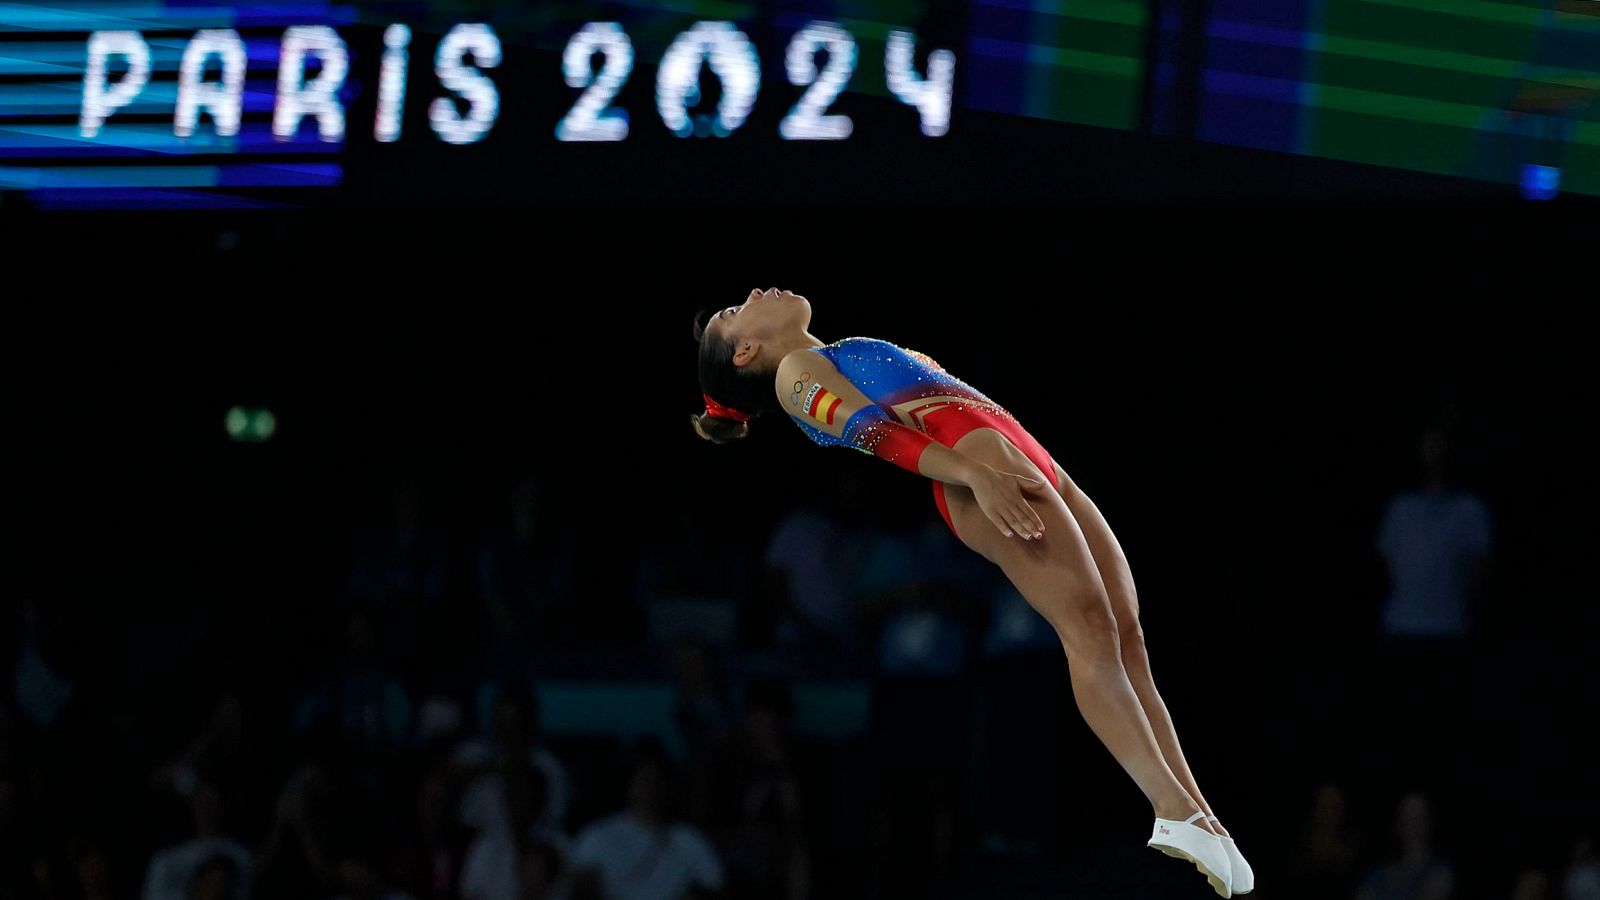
x: 1004, y: 497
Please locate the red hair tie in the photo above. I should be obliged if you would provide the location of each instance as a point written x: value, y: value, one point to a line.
x: 724, y: 412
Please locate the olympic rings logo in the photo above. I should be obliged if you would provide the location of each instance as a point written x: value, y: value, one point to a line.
x: 799, y: 388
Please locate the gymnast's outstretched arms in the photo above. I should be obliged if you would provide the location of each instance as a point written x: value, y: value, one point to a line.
x: 835, y: 412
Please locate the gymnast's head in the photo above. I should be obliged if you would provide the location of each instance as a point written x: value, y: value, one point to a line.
x: 740, y: 348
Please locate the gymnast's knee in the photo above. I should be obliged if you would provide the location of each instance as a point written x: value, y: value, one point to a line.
x: 1089, y: 626
x: 1131, y: 637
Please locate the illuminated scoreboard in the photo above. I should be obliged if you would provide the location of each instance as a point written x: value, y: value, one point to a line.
x: 168, y: 103
x: 194, y: 103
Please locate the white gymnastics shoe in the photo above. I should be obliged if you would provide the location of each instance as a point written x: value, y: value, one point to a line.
x: 1244, y: 877
x: 1187, y: 840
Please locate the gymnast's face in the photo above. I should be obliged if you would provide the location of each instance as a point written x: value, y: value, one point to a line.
x: 766, y: 317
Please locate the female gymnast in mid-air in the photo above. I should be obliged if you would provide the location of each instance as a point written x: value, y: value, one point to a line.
x: 1004, y: 497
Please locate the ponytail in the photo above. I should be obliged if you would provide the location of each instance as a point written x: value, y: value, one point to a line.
x: 718, y: 430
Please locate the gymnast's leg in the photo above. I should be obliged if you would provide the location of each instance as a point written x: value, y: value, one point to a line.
x: 1056, y: 574
x: 1118, y: 580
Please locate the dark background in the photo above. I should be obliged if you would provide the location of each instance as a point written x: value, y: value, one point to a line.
x: 1239, y: 388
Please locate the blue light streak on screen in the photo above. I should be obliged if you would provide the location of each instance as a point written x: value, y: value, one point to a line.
x: 43, y: 56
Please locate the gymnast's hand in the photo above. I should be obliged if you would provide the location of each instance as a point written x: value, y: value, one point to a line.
x: 1003, y: 498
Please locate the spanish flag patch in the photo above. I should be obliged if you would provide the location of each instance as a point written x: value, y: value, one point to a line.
x: 821, y: 403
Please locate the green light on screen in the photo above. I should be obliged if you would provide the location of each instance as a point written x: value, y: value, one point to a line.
x: 250, y: 425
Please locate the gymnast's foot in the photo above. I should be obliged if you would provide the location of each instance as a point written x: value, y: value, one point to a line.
x: 1190, y: 840
x: 1244, y: 877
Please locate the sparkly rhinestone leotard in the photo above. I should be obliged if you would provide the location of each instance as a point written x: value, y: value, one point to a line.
x: 910, y: 390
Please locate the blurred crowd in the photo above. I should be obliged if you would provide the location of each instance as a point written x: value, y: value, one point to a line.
x: 393, y: 745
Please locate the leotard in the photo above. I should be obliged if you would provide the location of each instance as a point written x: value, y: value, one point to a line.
x: 913, y: 400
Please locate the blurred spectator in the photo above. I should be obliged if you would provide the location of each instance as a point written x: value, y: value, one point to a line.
x: 674, y: 562
x: 513, y: 738
x: 918, y: 589
x: 1027, y: 691
x: 361, y: 880
x: 702, y: 709
x: 404, y: 562
x: 365, y: 706
x: 1435, y: 543
x: 216, y: 752
x: 525, y: 573
x: 40, y: 679
x: 191, y: 867
x: 921, y: 585
x: 299, y: 854
x: 1582, y: 880
x: 1322, y: 864
x: 493, y: 868
x: 810, y: 561
x: 441, y: 721
x: 753, y: 797
x: 640, y: 853
x: 1418, y: 873
x: 217, y: 878
x: 400, y: 576
x: 431, y: 853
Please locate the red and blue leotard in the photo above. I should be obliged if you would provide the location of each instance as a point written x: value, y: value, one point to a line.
x: 912, y: 397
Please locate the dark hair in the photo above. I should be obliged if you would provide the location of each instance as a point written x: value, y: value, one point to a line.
x: 741, y: 387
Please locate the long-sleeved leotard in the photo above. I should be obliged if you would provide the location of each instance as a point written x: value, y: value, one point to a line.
x: 914, y: 400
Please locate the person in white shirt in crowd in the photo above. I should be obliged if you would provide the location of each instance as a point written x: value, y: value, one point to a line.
x: 1417, y: 871
x: 640, y: 852
x: 171, y: 870
x: 809, y: 567
x: 497, y: 865
x: 1435, y: 543
x: 514, y: 734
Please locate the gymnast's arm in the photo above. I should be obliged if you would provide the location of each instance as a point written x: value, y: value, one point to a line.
x: 829, y: 402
